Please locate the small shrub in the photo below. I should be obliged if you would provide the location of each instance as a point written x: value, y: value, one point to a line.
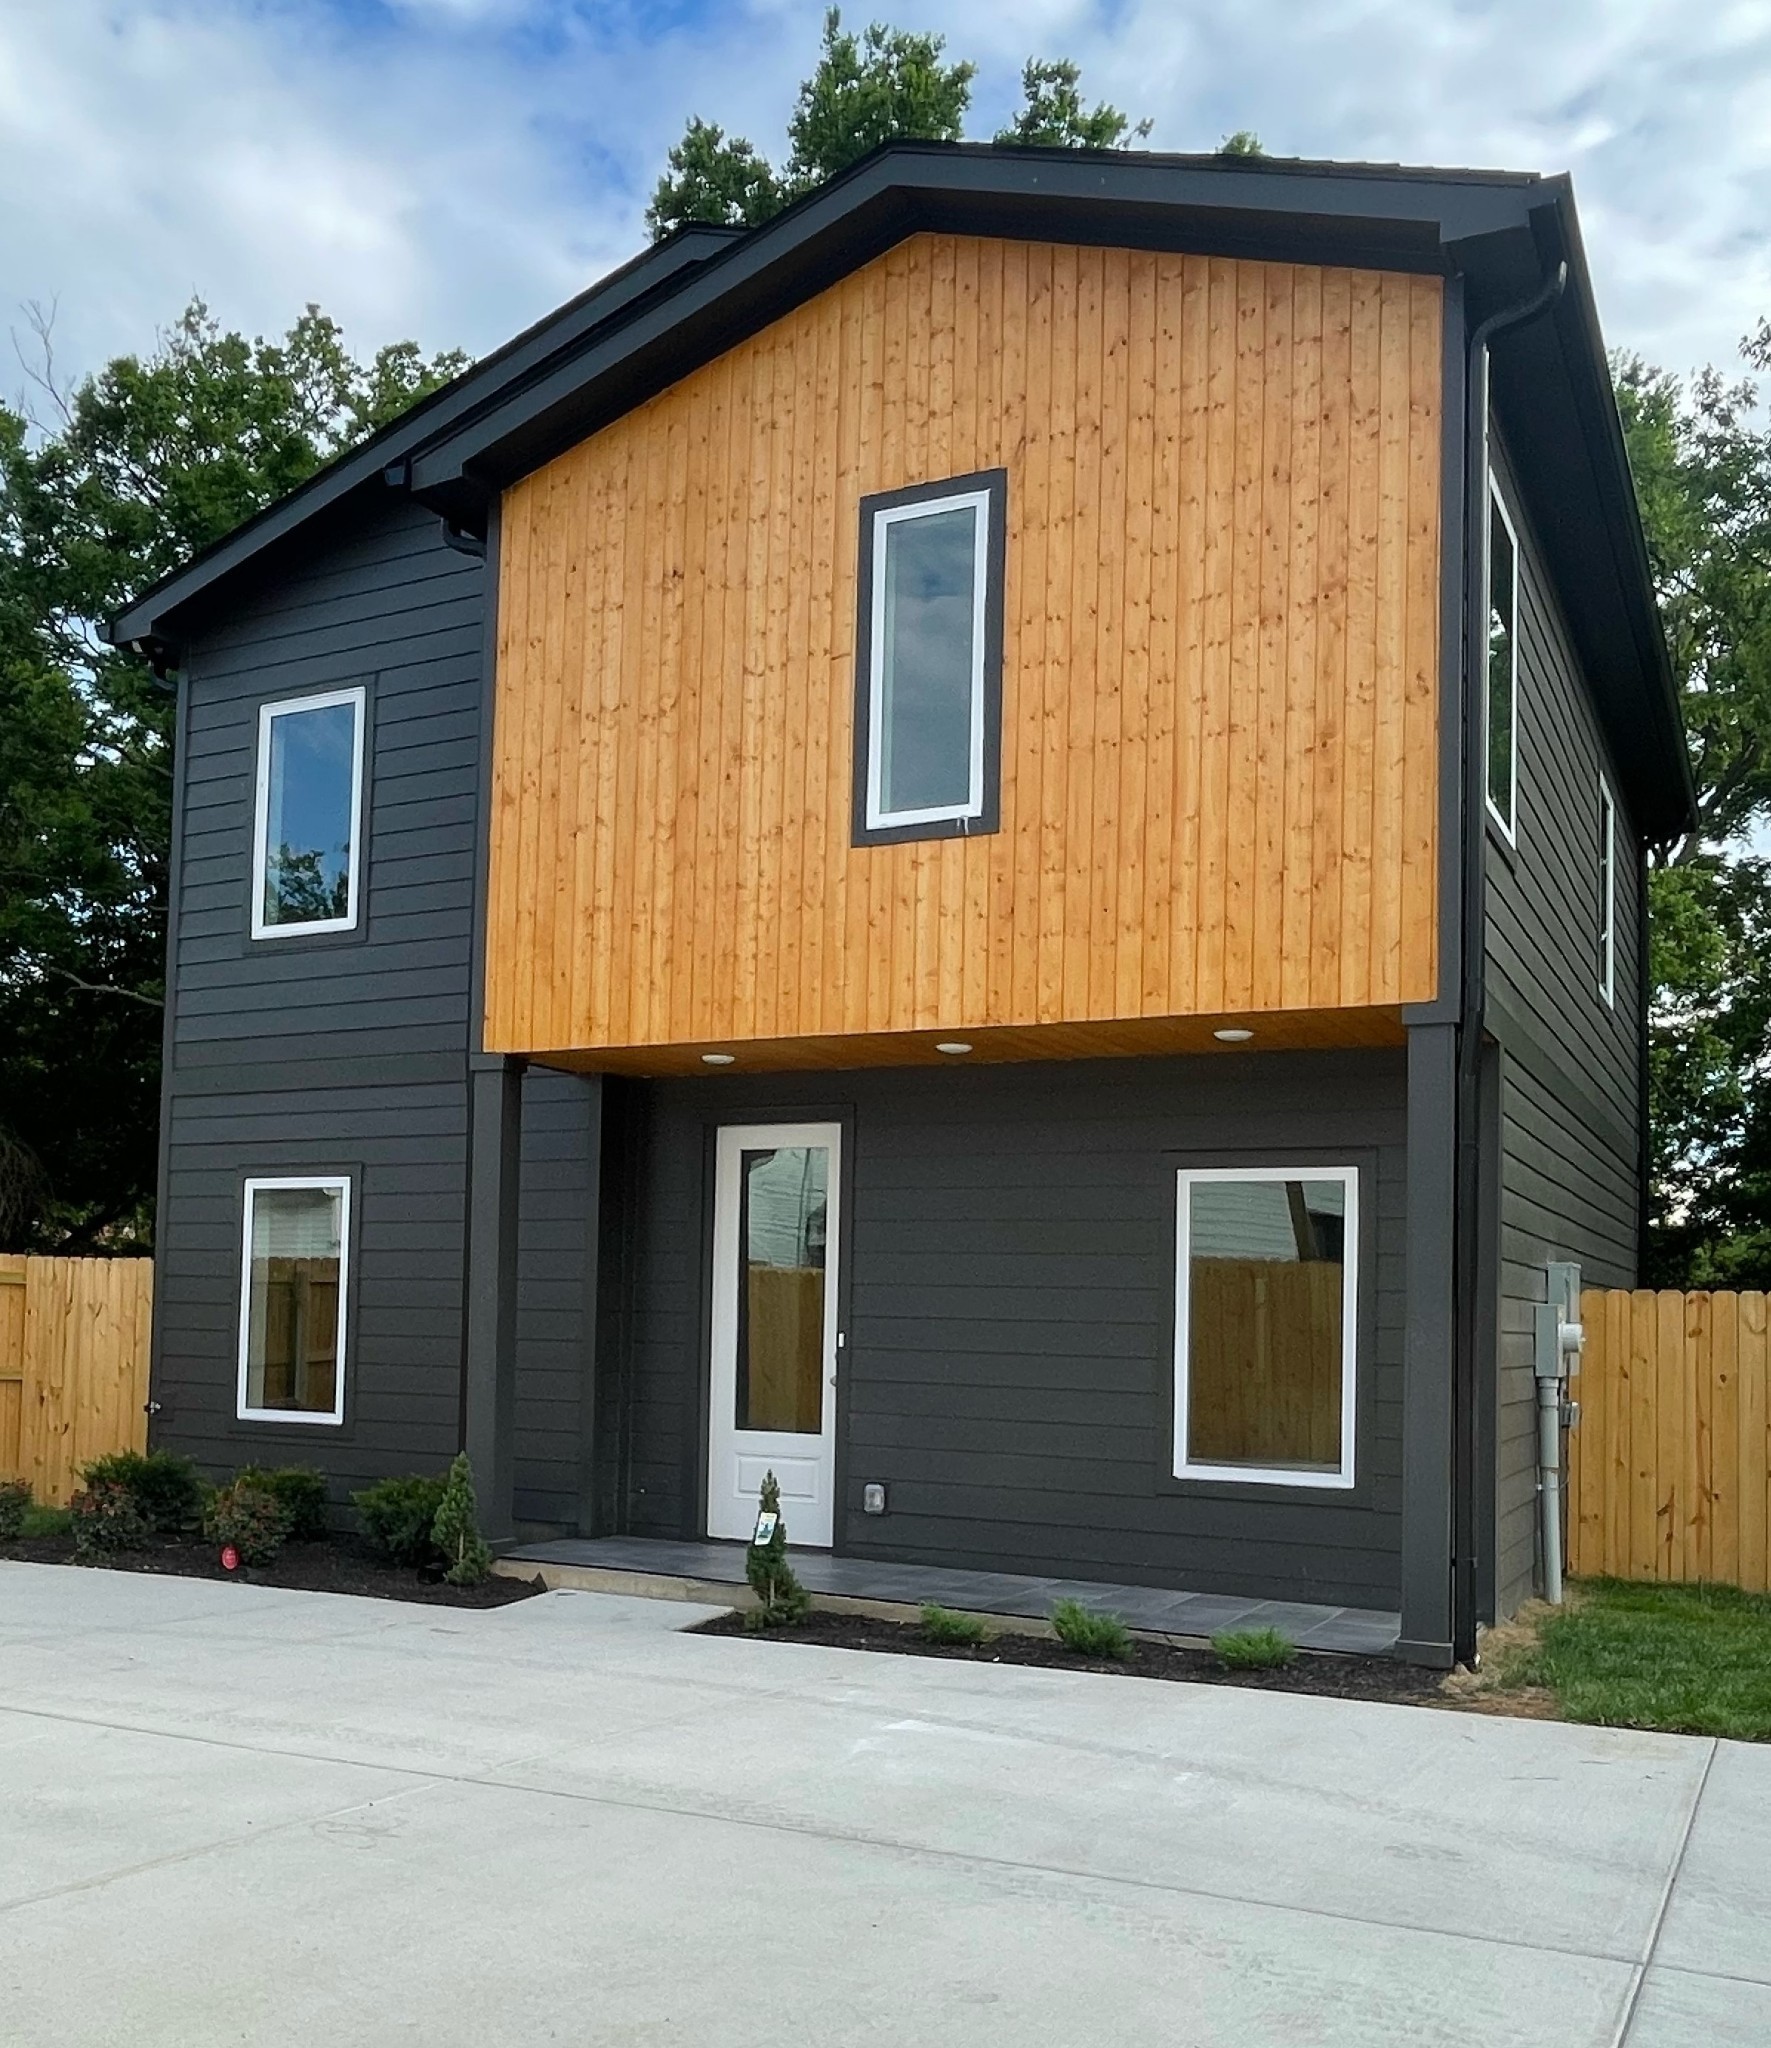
x: 781, y: 1599
x: 42, y: 1521
x: 1253, y: 1649
x: 1090, y: 1634
x: 942, y: 1625
x: 15, y: 1505
x: 456, y: 1530
x: 399, y: 1515
x: 166, y: 1488
x: 106, y: 1517
x: 248, y: 1516
x: 301, y: 1492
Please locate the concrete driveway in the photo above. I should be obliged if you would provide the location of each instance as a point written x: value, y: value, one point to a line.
x: 229, y: 1814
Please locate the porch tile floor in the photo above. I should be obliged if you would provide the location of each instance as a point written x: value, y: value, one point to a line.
x: 1361, y: 1630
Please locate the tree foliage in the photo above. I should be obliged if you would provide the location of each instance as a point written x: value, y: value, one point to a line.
x: 1700, y: 449
x: 1052, y: 115
x: 105, y: 486
x: 884, y: 85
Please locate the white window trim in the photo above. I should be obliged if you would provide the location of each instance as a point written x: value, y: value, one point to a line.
x: 329, y: 1181
x: 1255, y: 1475
x: 1608, y: 909
x: 978, y: 503
x: 267, y: 713
x: 1507, y: 823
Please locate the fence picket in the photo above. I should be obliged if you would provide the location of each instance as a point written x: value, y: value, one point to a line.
x: 1670, y: 1469
x: 74, y: 1341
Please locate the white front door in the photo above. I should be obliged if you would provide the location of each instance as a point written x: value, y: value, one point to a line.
x: 775, y: 1239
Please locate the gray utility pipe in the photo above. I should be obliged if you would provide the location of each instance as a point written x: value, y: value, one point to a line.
x: 1557, y: 1339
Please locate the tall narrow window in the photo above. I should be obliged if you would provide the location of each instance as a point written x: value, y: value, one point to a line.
x: 929, y: 675
x: 1607, y: 893
x: 1266, y: 1321
x: 292, y: 1300
x: 305, y: 854
x: 1503, y: 667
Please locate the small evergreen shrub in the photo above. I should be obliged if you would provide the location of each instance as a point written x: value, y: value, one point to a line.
x: 1253, y: 1649
x: 456, y: 1530
x: 781, y: 1599
x: 249, y: 1517
x: 41, y: 1521
x: 166, y: 1488
x: 15, y: 1503
x: 301, y: 1492
x: 942, y: 1625
x: 399, y: 1515
x: 106, y: 1518
x: 1090, y: 1634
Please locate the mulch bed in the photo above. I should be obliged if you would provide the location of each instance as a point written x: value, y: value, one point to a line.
x: 1329, y: 1675
x: 339, y: 1564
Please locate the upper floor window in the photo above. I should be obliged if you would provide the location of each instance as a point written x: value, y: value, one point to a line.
x: 1607, y: 893
x: 292, y: 1299
x: 1503, y: 667
x: 305, y: 851
x: 929, y: 676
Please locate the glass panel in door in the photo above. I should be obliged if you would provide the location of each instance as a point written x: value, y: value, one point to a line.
x: 784, y: 1209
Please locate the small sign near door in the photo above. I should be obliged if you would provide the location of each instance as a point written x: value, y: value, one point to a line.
x: 766, y: 1524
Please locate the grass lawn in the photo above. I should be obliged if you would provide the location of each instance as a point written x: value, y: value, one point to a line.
x: 1691, y: 1660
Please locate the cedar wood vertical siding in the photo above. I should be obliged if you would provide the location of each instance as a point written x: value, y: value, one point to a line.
x: 1220, y: 688
x: 294, y: 1056
x: 1570, y: 1066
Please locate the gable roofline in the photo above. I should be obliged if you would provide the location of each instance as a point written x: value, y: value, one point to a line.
x: 691, y: 298
x: 152, y: 617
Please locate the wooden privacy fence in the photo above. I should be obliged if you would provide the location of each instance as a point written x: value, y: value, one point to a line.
x: 73, y: 1365
x: 1670, y: 1468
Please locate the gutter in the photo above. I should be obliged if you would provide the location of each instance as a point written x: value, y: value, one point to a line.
x: 1467, y: 1430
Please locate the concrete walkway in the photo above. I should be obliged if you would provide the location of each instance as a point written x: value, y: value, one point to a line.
x: 234, y: 1815
x: 602, y: 1563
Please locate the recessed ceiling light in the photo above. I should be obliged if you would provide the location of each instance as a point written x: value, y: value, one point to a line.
x: 952, y: 1045
x: 1233, y: 1034
x: 718, y: 1059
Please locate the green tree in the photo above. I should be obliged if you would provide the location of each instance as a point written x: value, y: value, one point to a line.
x: 111, y: 483
x: 1052, y: 115
x: 1700, y: 450
x: 1244, y: 142
x: 882, y: 85
x: 708, y: 178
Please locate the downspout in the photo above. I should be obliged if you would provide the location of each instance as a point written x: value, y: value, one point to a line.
x: 1467, y: 1421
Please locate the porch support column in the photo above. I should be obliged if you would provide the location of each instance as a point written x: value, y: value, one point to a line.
x: 1429, y: 1346
x: 495, y: 1144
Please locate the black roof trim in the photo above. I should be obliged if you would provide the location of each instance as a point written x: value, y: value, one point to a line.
x: 151, y: 616
x: 692, y: 297
x: 1230, y: 206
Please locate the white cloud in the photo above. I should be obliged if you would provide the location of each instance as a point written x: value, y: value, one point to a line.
x: 449, y: 169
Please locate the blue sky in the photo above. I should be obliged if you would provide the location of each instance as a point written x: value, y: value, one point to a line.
x: 449, y: 169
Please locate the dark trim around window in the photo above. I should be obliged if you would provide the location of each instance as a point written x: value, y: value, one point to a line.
x: 993, y: 482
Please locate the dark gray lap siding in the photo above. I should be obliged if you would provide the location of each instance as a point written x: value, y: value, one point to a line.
x: 1010, y: 1274
x: 1570, y: 1170
x: 297, y: 1056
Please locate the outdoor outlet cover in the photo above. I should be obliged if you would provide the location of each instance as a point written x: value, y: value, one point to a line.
x: 873, y: 1498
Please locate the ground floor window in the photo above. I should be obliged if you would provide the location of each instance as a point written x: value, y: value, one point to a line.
x: 1265, y: 1320
x: 292, y: 1299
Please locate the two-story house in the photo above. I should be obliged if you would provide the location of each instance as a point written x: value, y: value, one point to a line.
x: 984, y: 845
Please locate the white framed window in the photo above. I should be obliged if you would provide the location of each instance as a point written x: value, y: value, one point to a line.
x: 929, y: 678
x: 294, y: 1272
x: 307, y: 826
x: 1266, y: 1324
x: 1503, y: 667
x: 1607, y: 893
